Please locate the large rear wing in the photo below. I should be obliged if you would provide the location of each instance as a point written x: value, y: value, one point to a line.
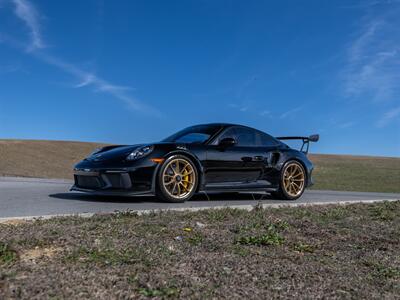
x: 306, y: 140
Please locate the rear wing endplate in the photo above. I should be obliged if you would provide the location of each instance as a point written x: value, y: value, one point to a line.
x: 306, y: 140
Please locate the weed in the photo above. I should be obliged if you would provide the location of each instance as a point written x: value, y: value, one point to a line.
x: 240, y: 250
x: 271, y: 238
x: 300, y: 247
x: 217, y: 215
x: 334, y: 214
x: 7, y: 255
x: 107, y: 256
x: 195, y: 238
x: 384, y: 212
x: 387, y: 272
x: 125, y: 214
x: 382, y: 271
x: 278, y: 225
x: 160, y: 292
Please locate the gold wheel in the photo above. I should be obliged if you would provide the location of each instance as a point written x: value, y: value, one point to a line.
x: 179, y: 178
x: 294, y: 179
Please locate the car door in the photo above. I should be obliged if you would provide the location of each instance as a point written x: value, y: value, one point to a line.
x: 241, y: 164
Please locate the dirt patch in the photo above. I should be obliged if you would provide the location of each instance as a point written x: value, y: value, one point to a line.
x: 14, y: 222
x: 38, y: 253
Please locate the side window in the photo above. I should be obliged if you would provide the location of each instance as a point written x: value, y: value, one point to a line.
x: 229, y: 133
x: 246, y: 137
x: 265, y: 140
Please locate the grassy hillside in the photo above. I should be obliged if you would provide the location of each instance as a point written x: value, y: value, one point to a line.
x: 55, y: 159
x: 47, y: 159
x: 356, y: 173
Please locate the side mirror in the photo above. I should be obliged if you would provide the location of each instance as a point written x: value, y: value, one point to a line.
x: 227, y: 142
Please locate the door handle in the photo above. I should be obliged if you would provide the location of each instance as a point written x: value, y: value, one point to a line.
x: 258, y: 158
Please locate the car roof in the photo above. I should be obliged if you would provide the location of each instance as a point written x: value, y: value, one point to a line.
x: 221, y: 124
x: 227, y: 125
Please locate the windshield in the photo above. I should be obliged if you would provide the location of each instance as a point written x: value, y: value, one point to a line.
x: 196, y: 134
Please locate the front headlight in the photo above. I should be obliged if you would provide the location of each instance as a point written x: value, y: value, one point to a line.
x: 140, y: 152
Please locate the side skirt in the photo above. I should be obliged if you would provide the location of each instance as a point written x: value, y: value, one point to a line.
x: 238, y: 187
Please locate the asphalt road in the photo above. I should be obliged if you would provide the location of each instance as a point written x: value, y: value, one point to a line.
x: 23, y: 197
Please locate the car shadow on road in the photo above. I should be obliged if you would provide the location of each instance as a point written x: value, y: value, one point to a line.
x: 140, y: 199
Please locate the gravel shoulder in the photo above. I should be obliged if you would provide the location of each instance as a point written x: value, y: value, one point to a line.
x: 332, y: 251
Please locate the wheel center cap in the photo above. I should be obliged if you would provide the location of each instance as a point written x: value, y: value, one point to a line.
x: 178, y: 178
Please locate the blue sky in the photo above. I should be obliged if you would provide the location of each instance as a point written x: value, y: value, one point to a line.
x: 136, y: 71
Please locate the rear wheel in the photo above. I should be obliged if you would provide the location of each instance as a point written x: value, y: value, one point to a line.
x: 177, y: 180
x: 292, y: 181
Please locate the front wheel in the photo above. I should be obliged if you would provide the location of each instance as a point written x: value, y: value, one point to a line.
x: 292, y: 181
x: 177, y: 180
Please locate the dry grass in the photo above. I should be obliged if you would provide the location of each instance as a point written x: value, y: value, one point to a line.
x: 318, y: 252
x: 42, y: 159
x: 356, y: 173
x: 55, y: 159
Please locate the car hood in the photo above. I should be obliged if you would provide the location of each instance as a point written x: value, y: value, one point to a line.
x: 120, y: 152
x: 116, y: 153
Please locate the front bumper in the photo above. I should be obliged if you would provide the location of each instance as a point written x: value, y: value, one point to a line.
x: 114, y: 181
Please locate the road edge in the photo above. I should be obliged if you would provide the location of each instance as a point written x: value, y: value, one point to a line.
x: 248, y: 207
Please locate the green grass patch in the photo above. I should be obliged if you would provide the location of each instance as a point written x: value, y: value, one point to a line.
x: 356, y: 173
x: 7, y: 254
x: 385, y: 212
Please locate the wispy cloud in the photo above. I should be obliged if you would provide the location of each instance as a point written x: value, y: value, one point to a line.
x: 289, y: 112
x: 26, y: 12
x: 346, y: 125
x: 11, y: 68
x: 388, y: 117
x: 265, y: 113
x: 372, y: 3
x: 239, y: 107
x: 29, y: 15
x: 87, y: 79
x: 373, y: 60
x: 372, y: 73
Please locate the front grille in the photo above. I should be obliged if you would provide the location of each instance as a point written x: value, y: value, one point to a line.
x: 115, y: 180
x: 88, y: 182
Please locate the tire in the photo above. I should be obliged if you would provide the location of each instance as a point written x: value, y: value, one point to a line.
x: 177, y: 179
x: 292, y: 181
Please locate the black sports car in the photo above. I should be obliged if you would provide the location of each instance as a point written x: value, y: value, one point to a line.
x: 202, y: 158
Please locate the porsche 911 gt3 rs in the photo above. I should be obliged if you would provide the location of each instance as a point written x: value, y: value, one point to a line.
x: 214, y: 157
